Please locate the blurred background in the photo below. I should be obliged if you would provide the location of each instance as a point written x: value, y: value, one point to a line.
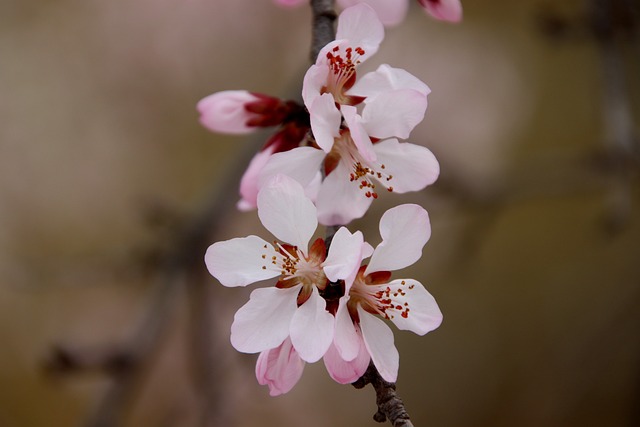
x: 110, y: 190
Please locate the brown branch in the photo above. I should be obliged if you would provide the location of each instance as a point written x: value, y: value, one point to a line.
x: 323, y: 18
x: 390, y: 406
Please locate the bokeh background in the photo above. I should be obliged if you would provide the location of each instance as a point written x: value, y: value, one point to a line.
x: 109, y: 188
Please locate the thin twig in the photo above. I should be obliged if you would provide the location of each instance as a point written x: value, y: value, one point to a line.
x: 390, y: 406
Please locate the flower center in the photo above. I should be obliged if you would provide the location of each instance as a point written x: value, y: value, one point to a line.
x: 374, y: 295
x: 362, y: 172
x: 297, y: 268
x: 342, y: 73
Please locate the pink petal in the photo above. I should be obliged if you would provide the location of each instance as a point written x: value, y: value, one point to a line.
x: 340, y: 201
x: 361, y: 26
x: 314, y: 79
x: 286, y: 211
x: 279, y: 368
x: 325, y: 121
x: 301, y: 164
x: 263, y: 322
x: 387, y: 78
x: 224, y: 111
x: 379, y: 341
x: 239, y: 261
x: 405, y: 230
x: 345, y: 372
x: 346, y: 339
x: 249, y: 182
x: 312, y: 328
x: 343, y: 260
x: 412, y: 166
x: 390, y: 12
x: 444, y: 10
x: 358, y: 132
x: 393, y: 113
x: 418, y: 310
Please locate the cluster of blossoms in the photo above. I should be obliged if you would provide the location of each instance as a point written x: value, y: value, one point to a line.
x: 326, y: 163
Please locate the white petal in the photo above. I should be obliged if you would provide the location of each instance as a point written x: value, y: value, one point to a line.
x: 361, y: 26
x: 240, y: 261
x: 379, y: 341
x: 393, y: 113
x: 412, y: 166
x: 325, y: 121
x: 312, y: 328
x: 340, y: 201
x: 346, y: 372
x: 390, y: 12
x: 405, y: 230
x: 358, y: 133
x: 345, y: 254
x: 346, y: 339
x: 414, y: 309
x: 387, y: 78
x: 286, y: 211
x: 314, y: 79
x: 264, y: 321
x: 301, y: 164
x: 280, y: 368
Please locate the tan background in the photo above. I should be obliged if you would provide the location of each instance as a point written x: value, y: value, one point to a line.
x: 535, y: 251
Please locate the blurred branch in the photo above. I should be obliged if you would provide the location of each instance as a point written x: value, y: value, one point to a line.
x: 176, y: 267
x: 390, y: 406
x: 324, y: 16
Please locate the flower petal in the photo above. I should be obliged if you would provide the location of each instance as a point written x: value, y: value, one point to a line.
x: 390, y: 12
x: 224, y: 112
x: 393, y: 113
x: 312, y: 328
x: 358, y: 132
x: 345, y: 254
x: 286, y: 211
x: 249, y: 183
x: 346, y: 339
x: 412, y: 166
x: 414, y: 309
x: 280, y: 368
x: 263, y: 322
x: 444, y: 10
x: 240, y: 261
x: 346, y: 372
x: 379, y: 341
x: 405, y: 230
x: 314, y: 79
x: 301, y: 164
x: 361, y: 26
x: 325, y: 121
x: 387, y: 78
x: 340, y: 201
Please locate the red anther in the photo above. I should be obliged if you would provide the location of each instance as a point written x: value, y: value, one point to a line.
x: 374, y: 195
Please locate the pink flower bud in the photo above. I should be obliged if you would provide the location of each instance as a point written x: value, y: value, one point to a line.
x: 240, y: 111
x: 444, y: 10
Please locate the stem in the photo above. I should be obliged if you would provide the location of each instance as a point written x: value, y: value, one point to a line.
x: 324, y: 16
x: 390, y: 406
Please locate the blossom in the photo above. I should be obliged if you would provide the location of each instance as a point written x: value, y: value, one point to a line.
x: 294, y: 308
x: 393, y: 12
x: 443, y: 10
x: 359, y: 331
x: 242, y: 112
x: 279, y: 368
x: 363, y: 156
